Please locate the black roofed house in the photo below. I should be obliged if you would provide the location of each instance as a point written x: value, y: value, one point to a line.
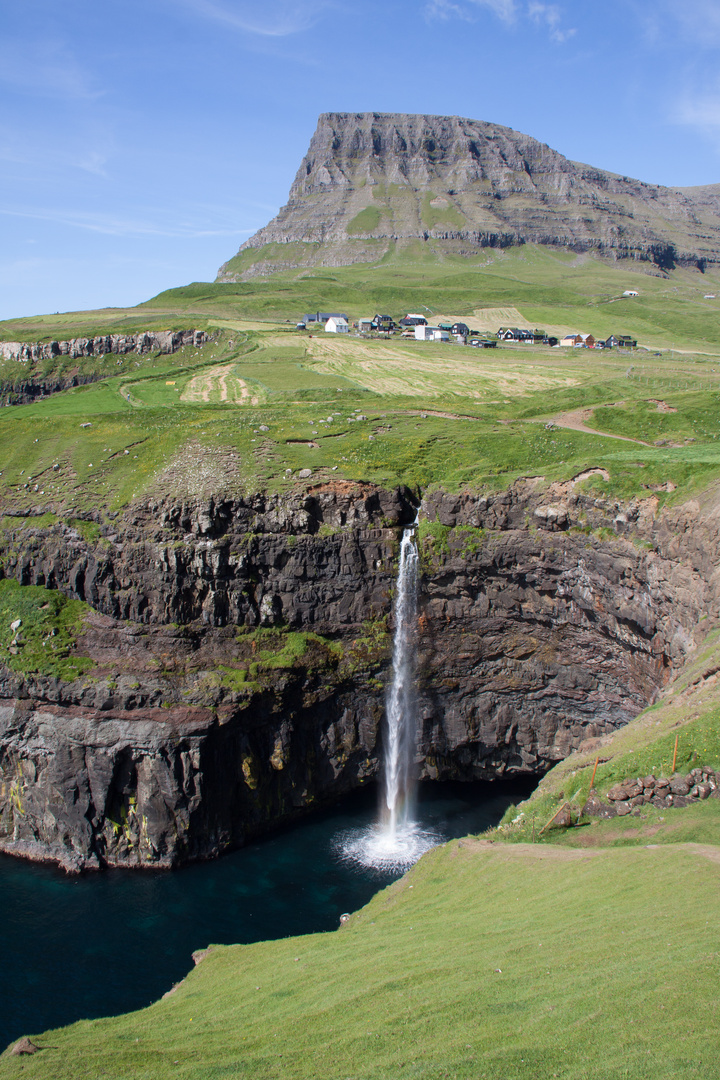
x: 509, y: 333
x: 323, y: 316
x: 458, y: 328
x: 626, y: 342
x: 383, y: 322
x: 413, y: 320
x: 612, y: 342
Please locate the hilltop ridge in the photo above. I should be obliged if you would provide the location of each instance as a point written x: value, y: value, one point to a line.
x: 372, y: 183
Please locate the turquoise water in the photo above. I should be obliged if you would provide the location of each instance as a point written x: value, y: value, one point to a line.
x: 108, y: 942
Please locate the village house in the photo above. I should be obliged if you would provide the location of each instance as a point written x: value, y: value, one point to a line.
x: 337, y: 324
x: 321, y: 317
x: 431, y: 333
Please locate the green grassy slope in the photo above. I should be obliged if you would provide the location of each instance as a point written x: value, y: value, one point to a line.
x: 590, y: 954
x: 431, y: 414
x: 499, y: 962
x: 690, y: 711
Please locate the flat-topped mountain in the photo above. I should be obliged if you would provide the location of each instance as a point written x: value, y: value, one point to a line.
x: 371, y: 182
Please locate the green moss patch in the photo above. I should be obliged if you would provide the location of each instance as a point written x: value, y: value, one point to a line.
x: 49, y: 625
x: 365, y: 222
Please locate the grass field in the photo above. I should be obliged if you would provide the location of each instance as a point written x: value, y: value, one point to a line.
x: 498, y: 962
x: 263, y: 401
x: 254, y: 404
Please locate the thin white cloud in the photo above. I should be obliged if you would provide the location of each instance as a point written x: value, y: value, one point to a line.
x: 699, y: 19
x: 504, y: 9
x: 550, y: 16
x: 510, y: 12
x: 109, y: 225
x: 92, y: 162
x: 701, y: 112
x: 273, y: 18
x: 44, y: 69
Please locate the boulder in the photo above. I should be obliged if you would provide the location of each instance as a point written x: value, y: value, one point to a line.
x: 24, y: 1046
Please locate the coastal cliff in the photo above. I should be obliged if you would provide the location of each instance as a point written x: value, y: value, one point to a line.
x: 238, y: 651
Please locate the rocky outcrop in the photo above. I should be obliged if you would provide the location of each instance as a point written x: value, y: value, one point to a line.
x: 663, y: 792
x: 536, y: 633
x: 19, y: 388
x: 372, y: 181
x: 162, y: 341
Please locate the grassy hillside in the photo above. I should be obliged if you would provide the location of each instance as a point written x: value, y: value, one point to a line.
x: 500, y: 962
x: 261, y: 402
x: 590, y: 954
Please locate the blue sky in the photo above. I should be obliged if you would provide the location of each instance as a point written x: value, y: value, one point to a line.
x: 142, y: 141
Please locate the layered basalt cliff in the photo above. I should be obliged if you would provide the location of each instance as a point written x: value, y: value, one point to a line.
x: 20, y: 387
x: 371, y: 181
x: 241, y: 650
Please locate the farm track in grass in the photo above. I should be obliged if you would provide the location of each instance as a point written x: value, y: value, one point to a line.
x: 219, y: 384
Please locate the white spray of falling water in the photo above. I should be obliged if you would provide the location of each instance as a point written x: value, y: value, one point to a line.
x: 397, y: 840
x: 401, y: 722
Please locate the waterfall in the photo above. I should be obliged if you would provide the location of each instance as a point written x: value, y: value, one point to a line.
x: 397, y: 840
x: 401, y: 721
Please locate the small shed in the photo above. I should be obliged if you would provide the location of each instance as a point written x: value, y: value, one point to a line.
x: 336, y: 324
x: 631, y: 292
x: 366, y: 325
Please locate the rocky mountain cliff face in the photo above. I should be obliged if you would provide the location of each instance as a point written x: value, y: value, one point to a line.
x: 372, y: 181
x: 189, y: 736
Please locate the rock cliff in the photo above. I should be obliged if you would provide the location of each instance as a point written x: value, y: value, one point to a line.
x: 241, y: 651
x: 18, y: 387
x: 372, y: 181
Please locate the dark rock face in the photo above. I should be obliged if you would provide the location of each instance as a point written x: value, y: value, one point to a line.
x: 530, y: 641
x: 370, y: 180
x: 23, y: 390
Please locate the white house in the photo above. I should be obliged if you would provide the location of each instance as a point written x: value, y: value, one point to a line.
x: 631, y: 292
x: 337, y: 325
x: 431, y: 333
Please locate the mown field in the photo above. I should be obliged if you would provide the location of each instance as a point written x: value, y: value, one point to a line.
x: 263, y: 401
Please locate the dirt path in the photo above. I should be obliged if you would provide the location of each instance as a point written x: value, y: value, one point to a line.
x: 576, y: 419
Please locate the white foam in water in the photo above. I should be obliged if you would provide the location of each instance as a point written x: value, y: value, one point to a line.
x: 379, y: 847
